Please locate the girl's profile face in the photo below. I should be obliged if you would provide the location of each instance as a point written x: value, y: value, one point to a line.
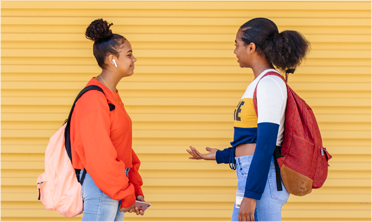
x: 241, y: 51
x: 126, y: 59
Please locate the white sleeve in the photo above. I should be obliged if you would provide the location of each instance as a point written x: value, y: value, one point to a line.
x: 271, y: 100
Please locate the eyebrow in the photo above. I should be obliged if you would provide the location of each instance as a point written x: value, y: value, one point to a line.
x: 130, y: 51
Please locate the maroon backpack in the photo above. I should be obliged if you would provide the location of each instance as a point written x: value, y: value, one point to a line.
x: 303, y: 160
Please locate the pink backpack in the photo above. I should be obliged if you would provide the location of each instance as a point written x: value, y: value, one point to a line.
x: 59, y: 187
x: 302, y: 159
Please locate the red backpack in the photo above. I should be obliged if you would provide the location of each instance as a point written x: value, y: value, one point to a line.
x: 303, y: 160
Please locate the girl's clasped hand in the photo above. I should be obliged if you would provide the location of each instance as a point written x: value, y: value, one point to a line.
x: 133, y: 208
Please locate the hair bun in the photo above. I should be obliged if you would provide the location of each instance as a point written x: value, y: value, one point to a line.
x: 98, y: 30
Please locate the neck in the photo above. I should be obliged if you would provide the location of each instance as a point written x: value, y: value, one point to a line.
x: 109, y: 79
x: 260, y: 66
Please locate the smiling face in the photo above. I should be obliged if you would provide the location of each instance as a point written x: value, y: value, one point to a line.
x: 125, y: 59
x: 244, y: 52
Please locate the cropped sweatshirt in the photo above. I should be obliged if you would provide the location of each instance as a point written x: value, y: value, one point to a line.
x: 101, y: 142
x: 265, y: 129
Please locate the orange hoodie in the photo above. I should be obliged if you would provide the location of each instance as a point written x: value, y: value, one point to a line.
x: 101, y: 142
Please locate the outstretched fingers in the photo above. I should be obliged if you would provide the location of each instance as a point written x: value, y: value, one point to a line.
x: 197, y: 153
x: 193, y: 155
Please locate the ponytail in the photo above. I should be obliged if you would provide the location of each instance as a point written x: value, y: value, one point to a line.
x: 284, y: 50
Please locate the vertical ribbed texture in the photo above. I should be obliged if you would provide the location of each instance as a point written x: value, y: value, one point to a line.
x: 184, y: 91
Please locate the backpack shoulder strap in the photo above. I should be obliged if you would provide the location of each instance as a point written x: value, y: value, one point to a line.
x: 67, y: 130
x: 255, y: 90
x: 276, y: 153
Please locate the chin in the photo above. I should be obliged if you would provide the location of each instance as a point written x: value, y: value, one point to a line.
x: 128, y: 74
x: 243, y: 65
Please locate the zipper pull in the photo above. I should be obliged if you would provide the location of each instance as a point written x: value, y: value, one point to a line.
x: 38, y: 187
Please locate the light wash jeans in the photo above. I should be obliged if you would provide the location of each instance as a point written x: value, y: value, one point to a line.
x: 269, y: 207
x: 97, y: 205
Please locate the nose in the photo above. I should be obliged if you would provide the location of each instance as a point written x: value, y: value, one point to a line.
x: 134, y: 59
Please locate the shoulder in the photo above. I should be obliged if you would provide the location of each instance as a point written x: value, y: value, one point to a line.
x: 91, y: 101
x: 273, y: 86
x: 272, y: 82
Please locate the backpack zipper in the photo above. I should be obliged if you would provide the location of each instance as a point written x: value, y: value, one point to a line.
x: 39, y: 190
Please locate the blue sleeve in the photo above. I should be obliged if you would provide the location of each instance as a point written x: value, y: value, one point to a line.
x: 258, y: 172
x: 226, y: 156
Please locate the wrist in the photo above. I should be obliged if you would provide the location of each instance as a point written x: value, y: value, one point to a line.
x: 250, y: 199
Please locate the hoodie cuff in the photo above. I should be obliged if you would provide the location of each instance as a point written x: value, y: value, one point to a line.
x: 128, y: 201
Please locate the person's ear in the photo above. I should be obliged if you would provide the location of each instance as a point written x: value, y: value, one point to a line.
x: 111, y: 59
x: 251, y: 48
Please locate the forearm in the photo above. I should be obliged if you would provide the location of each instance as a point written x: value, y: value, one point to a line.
x: 134, y: 176
x: 259, y: 168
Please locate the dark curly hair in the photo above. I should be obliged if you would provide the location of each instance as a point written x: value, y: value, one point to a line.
x: 284, y: 50
x: 105, y: 42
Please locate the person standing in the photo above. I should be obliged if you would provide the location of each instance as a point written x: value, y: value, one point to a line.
x: 261, y: 47
x: 101, y: 139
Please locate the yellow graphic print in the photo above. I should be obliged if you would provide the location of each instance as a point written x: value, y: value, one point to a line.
x: 244, y: 114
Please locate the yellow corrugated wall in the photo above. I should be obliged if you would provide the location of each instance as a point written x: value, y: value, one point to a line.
x: 184, y: 91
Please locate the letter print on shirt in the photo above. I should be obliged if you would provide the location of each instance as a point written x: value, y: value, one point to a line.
x: 245, y: 122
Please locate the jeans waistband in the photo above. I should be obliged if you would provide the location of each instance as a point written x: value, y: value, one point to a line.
x: 249, y: 158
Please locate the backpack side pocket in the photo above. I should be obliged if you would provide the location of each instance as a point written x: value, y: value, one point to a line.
x: 44, y: 192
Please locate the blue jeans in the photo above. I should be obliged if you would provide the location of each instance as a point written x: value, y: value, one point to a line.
x: 97, y: 205
x: 269, y: 207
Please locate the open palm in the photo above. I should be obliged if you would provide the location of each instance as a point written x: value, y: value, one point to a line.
x: 195, y: 154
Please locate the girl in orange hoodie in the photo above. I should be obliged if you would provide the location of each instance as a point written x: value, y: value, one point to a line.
x: 101, y: 139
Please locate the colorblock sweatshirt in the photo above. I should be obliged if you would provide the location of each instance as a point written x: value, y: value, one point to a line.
x: 265, y: 129
x: 101, y: 142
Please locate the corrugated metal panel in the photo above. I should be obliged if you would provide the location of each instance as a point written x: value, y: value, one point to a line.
x: 184, y: 91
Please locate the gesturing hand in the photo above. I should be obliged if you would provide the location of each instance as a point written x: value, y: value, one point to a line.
x: 246, y: 210
x: 195, y: 154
